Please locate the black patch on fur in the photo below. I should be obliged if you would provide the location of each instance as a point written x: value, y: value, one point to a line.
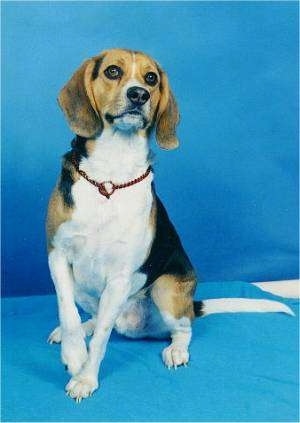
x: 66, y: 181
x: 78, y: 145
x: 167, y: 255
x: 65, y: 185
x: 198, y: 308
x: 95, y: 72
x: 109, y: 118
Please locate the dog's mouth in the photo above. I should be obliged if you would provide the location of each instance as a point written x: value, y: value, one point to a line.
x: 135, y: 112
x: 129, y: 119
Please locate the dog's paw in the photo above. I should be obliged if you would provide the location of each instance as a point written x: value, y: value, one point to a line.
x: 175, y: 355
x: 73, y: 353
x: 81, y: 387
x: 55, y: 336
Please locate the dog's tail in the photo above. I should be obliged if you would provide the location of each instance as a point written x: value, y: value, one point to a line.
x: 238, y: 305
x: 288, y: 289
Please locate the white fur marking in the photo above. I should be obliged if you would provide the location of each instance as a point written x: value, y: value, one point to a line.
x: 114, y: 296
x: 106, y: 241
x: 55, y: 336
x: 177, y: 352
x: 133, y: 65
x: 104, y: 235
x: 73, y: 347
x: 237, y: 305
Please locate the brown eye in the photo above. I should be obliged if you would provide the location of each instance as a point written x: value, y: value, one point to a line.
x: 151, y: 78
x: 113, y: 72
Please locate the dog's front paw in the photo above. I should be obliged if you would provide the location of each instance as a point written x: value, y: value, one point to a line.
x: 175, y: 355
x: 73, y: 352
x: 81, y: 387
x: 55, y: 336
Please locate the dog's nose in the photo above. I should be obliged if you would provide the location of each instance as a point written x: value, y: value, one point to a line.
x: 137, y: 95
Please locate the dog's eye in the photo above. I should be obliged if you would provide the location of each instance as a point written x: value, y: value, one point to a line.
x: 113, y: 72
x: 151, y: 78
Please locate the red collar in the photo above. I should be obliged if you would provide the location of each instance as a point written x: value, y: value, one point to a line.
x: 105, y: 185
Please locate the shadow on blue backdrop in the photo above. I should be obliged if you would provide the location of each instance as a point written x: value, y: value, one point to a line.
x: 231, y: 188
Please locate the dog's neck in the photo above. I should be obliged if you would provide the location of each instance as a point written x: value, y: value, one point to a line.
x: 117, y: 156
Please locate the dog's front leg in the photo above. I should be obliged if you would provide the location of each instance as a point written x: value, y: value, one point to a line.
x: 73, y: 346
x: 112, y: 299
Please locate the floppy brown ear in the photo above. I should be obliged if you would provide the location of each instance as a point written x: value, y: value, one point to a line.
x: 167, y: 116
x: 77, y: 102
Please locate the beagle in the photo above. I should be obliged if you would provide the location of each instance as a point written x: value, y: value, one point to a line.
x: 112, y: 248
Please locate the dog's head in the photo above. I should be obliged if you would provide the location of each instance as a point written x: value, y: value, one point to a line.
x: 123, y: 89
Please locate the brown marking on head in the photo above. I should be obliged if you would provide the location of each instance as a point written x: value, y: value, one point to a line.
x: 94, y: 98
x: 174, y: 294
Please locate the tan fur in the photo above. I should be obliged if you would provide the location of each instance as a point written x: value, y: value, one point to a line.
x: 77, y: 104
x: 167, y: 117
x: 85, y: 100
x: 153, y: 214
x: 58, y: 211
x: 57, y: 214
x: 90, y: 146
x: 171, y: 293
x: 174, y: 294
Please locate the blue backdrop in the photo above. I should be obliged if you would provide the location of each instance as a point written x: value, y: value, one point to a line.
x: 231, y: 189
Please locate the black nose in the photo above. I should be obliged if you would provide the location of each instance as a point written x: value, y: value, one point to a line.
x: 137, y: 95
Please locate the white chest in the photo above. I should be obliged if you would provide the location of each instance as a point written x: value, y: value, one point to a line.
x: 107, y: 236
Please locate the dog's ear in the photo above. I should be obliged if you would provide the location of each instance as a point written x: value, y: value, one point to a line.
x: 77, y: 102
x: 167, y: 117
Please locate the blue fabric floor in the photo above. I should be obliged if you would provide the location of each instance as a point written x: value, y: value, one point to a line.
x: 243, y: 367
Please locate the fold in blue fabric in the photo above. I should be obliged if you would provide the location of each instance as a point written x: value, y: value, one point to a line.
x: 243, y: 367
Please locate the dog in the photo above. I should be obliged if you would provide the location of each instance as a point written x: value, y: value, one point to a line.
x: 112, y: 248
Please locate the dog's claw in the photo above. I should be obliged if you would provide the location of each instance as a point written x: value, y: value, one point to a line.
x: 80, y: 389
x: 175, y: 356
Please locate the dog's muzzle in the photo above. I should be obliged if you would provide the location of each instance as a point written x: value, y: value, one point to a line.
x: 129, y: 119
x: 133, y: 117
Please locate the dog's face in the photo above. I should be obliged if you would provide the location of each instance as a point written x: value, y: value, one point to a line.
x: 126, y: 89
x: 122, y: 89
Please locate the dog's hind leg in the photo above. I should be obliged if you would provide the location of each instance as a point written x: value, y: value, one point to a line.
x: 55, y: 335
x: 173, y: 295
